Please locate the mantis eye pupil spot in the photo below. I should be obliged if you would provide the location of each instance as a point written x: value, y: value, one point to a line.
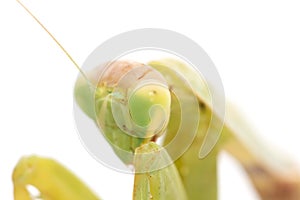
x: 152, y: 93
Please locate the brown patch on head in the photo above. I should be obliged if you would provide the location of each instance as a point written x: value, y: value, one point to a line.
x: 111, y: 73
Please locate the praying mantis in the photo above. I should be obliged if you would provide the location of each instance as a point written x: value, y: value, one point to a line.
x: 189, y: 177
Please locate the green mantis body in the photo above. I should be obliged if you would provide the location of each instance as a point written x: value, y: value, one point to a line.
x: 131, y: 119
x: 192, y: 178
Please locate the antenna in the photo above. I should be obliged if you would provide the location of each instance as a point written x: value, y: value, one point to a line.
x: 57, y: 42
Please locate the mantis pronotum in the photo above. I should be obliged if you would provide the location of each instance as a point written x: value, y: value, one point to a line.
x: 144, y: 188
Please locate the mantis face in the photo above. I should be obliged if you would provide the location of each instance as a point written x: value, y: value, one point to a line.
x: 131, y: 104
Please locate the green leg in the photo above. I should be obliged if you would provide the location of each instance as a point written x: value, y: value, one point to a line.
x: 162, y: 184
x: 53, y: 180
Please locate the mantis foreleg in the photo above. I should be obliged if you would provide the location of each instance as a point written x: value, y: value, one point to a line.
x: 162, y: 184
x: 53, y: 181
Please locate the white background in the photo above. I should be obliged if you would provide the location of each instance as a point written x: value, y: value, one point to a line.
x: 254, y: 44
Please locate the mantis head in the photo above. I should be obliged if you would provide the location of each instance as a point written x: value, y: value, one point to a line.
x: 130, y: 102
